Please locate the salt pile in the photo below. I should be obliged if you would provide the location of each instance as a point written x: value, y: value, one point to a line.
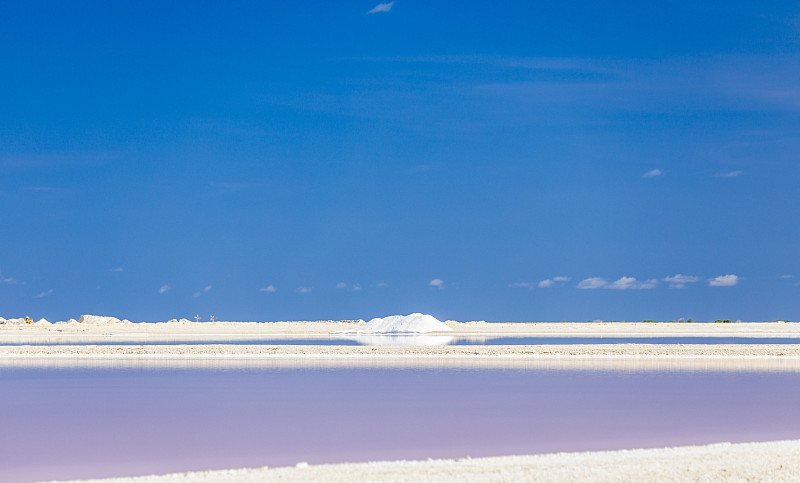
x: 23, y: 321
x: 100, y: 320
x: 400, y: 324
x: 19, y: 321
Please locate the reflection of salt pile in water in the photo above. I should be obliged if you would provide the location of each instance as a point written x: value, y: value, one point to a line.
x: 411, y: 329
x: 400, y: 324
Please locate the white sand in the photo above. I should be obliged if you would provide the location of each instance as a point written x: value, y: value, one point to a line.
x: 773, y: 461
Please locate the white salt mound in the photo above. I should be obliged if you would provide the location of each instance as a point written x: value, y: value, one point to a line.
x: 100, y: 320
x: 19, y: 321
x: 401, y: 324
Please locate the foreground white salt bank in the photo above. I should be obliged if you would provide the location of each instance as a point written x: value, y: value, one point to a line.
x: 400, y: 324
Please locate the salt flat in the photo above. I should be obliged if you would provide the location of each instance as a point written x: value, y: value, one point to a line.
x: 138, y: 350
x: 185, y: 328
x: 771, y: 461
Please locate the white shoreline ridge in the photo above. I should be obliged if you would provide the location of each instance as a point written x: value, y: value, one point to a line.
x: 768, y: 461
x: 415, y: 323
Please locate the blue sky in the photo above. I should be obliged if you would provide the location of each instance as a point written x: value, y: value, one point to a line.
x: 506, y: 161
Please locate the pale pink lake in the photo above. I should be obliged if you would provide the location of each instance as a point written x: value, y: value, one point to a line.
x: 82, y: 423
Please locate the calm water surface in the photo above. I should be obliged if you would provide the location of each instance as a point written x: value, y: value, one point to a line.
x: 95, y: 423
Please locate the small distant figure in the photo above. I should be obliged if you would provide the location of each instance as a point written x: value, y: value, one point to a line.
x: 28, y: 320
x: 212, y: 318
x: 197, y: 318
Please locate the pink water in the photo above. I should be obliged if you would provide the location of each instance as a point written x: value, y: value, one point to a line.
x: 60, y: 424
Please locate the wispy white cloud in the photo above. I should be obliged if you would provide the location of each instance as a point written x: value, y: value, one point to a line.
x: 592, y: 283
x: 680, y: 280
x: 382, y: 8
x: 43, y: 189
x: 7, y: 280
x: 382, y: 284
x: 118, y: 269
x: 341, y: 285
x: 652, y: 173
x: 527, y: 285
x: 787, y: 276
x: 623, y: 283
x: 304, y: 289
x: 630, y: 283
x: 344, y: 286
x: 164, y: 289
x: 723, y: 281
x: 437, y: 282
x: 550, y: 282
x: 268, y: 289
x: 43, y: 294
x: 730, y: 174
x: 205, y: 289
x: 356, y: 287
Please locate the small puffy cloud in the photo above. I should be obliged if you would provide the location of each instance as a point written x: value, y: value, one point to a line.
x: 680, y: 280
x: 343, y: 286
x: 382, y: 8
x: 268, y: 289
x: 723, y: 281
x: 43, y: 294
x: 206, y: 289
x: 652, y: 173
x: 552, y: 281
x: 730, y: 174
x: 527, y: 285
x: 164, y: 289
x: 437, y: 282
x: 8, y: 280
x: 630, y: 283
x: 592, y: 282
x: 623, y: 283
x: 304, y: 289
